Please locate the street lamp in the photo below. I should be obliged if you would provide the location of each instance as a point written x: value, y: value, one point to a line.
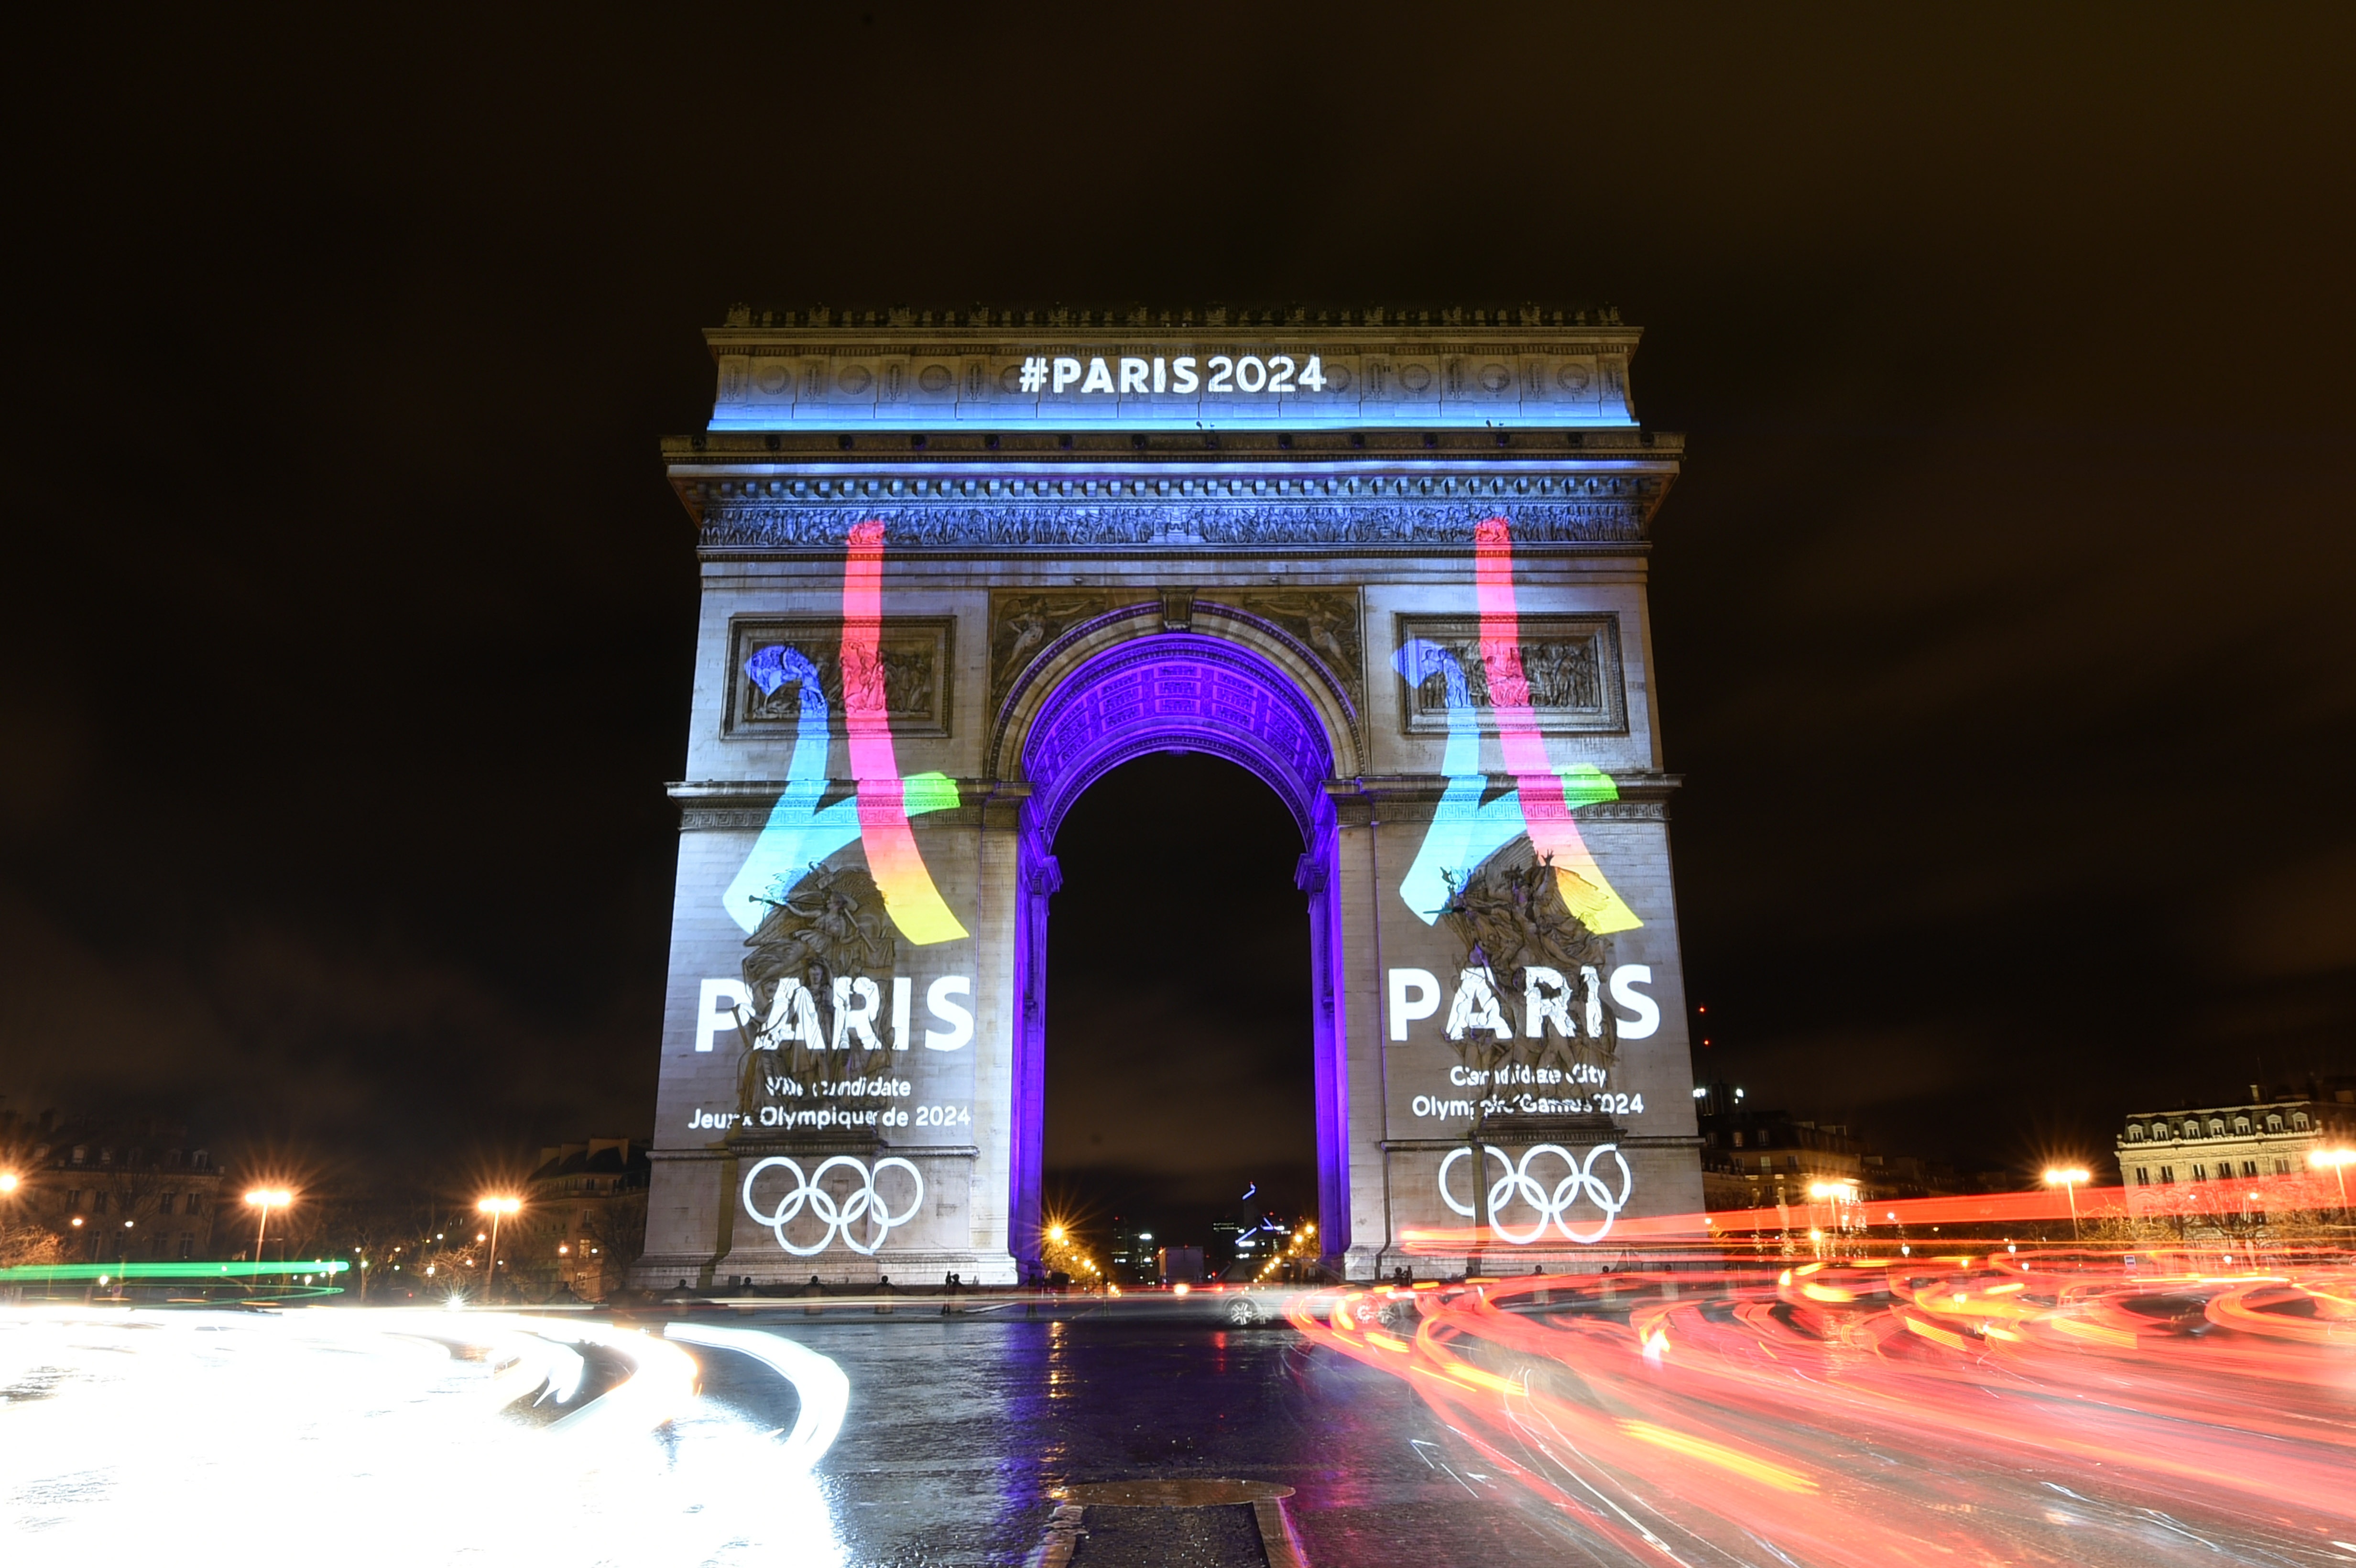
x: 2339, y: 1159
x: 7, y: 1182
x: 497, y: 1209
x: 265, y: 1198
x: 2069, y: 1178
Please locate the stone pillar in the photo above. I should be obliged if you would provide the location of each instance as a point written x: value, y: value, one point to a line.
x: 998, y: 1112
x: 1315, y: 876
x: 1356, y: 887
x: 1036, y: 879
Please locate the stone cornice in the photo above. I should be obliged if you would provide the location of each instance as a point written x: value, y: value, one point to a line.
x: 1086, y: 445
x: 1548, y: 324
x: 731, y: 805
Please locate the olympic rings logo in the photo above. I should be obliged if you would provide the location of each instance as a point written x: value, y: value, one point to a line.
x: 863, y: 1206
x: 1550, y: 1202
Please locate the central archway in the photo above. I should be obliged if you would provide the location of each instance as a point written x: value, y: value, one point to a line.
x: 1177, y: 691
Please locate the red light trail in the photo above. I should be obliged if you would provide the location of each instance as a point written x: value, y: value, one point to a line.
x: 2037, y: 1407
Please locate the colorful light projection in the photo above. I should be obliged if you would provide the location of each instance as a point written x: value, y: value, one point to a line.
x: 1464, y: 831
x: 800, y: 833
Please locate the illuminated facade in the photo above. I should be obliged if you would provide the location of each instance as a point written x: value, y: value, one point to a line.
x: 123, y: 1186
x: 957, y: 568
x: 585, y: 1217
x: 2231, y: 1159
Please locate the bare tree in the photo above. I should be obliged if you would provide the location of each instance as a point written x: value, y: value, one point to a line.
x: 27, y: 1245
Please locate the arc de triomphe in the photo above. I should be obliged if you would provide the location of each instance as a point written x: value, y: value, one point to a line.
x: 958, y: 565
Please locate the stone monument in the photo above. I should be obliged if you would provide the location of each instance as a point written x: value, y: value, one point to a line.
x: 958, y: 565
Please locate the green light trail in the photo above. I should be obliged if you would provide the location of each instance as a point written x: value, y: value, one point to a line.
x: 170, y: 1270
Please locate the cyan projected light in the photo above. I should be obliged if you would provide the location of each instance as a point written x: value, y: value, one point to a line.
x: 1464, y: 832
x: 800, y: 834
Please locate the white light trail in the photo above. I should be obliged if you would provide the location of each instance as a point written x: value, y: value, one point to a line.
x: 320, y: 1417
x: 825, y: 1392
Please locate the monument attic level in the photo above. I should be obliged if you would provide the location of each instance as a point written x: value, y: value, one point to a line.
x: 955, y: 570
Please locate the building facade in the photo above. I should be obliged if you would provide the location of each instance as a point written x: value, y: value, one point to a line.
x: 957, y: 566
x: 2240, y: 1158
x: 586, y: 1207
x: 115, y: 1187
x: 1756, y: 1159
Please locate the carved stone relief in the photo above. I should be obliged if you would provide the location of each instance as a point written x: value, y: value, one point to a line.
x: 1024, y: 623
x: 1572, y: 663
x: 1324, y: 621
x: 767, y: 525
x: 914, y: 651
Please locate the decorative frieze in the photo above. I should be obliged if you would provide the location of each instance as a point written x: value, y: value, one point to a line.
x: 737, y: 525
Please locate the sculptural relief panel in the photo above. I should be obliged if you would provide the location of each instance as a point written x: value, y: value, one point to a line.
x: 1025, y: 624
x: 914, y: 651
x: 1323, y: 621
x: 1571, y: 662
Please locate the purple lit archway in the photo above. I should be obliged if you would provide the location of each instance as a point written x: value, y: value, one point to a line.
x: 1179, y: 691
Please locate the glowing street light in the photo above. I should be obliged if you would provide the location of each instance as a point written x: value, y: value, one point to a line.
x: 8, y: 1182
x: 2069, y: 1178
x: 2339, y: 1159
x: 266, y: 1199
x: 497, y: 1209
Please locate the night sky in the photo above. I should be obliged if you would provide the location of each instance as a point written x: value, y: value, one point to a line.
x: 2004, y: 621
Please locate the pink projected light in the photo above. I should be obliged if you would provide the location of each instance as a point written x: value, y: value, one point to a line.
x: 800, y: 833
x: 916, y: 904
x: 1546, y: 808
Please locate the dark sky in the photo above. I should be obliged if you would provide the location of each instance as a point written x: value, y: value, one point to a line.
x: 2004, y: 622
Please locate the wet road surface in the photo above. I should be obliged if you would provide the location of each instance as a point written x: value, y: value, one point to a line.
x: 963, y: 1431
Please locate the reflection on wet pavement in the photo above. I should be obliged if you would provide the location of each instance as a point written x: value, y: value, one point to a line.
x: 962, y: 1432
